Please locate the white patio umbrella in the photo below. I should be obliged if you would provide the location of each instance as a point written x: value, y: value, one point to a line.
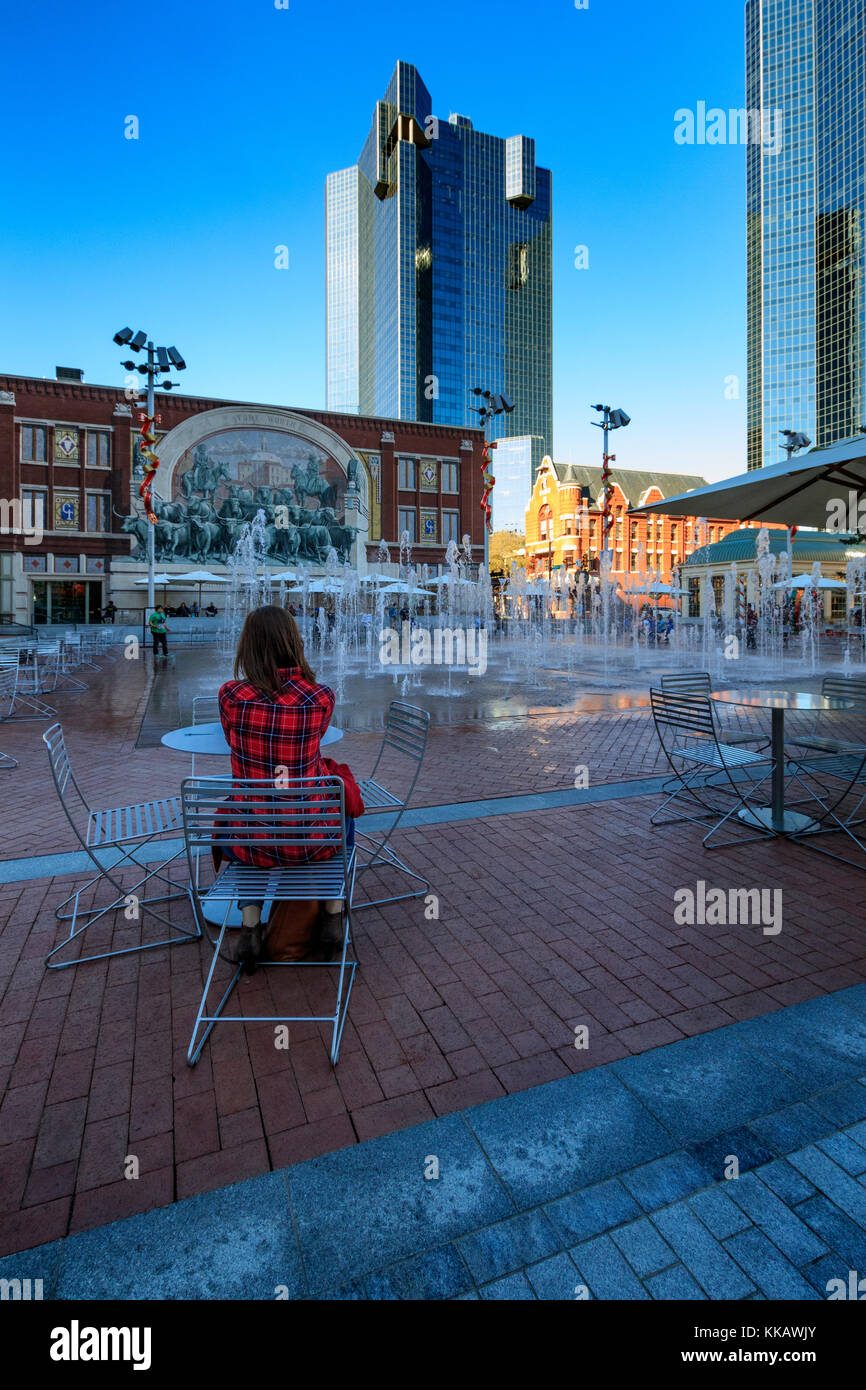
x: 160, y: 581
x: 805, y: 581
x: 198, y: 577
x: 797, y: 492
x: 407, y: 589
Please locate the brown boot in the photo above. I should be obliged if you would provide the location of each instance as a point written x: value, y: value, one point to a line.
x: 249, y: 948
x: 331, y: 931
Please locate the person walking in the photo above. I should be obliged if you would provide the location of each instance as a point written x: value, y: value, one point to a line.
x: 159, y: 630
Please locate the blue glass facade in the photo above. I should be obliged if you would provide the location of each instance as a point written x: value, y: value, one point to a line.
x: 515, y: 467
x: 439, y: 274
x: 806, y: 202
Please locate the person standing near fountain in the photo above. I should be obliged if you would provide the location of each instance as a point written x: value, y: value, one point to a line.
x: 274, y: 714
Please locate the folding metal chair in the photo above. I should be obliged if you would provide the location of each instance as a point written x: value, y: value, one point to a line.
x: 688, y: 735
x: 839, y: 773
x: 69, y: 660
x: 18, y: 674
x: 120, y: 833
x: 405, y: 740
x: 8, y: 682
x: 300, y: 818
x: 848, y: 688
x: 700, y: 683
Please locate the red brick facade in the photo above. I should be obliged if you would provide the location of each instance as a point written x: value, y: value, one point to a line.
x: 69, y: 413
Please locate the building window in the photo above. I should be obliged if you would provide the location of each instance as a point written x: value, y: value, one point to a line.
x: 568, y: 525
x: 406, y: 475
x: 450, y: 479
x: 694, y: 598
x: 407, y: 521
x: 450, y: 527
x: 34, y: 443
x: 33, y: 500
x: 98, y: 449
x: 98, y: 511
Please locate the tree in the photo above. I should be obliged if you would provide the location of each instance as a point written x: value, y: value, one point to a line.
x: 503, y: 549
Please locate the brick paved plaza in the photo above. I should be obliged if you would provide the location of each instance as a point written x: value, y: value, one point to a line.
x: 555, y: 910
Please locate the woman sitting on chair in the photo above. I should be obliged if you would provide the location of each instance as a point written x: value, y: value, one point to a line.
x: 274, y: 715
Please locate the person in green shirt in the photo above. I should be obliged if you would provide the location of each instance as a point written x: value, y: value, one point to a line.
x: 159, y: 629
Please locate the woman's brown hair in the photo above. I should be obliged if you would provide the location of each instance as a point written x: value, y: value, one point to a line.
x: 270, y: 642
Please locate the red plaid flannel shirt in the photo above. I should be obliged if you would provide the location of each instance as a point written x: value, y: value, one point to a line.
x: 265, y: 734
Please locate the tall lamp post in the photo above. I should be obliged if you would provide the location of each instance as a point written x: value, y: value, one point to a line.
x: 611, y: 420
x: 494, y: 404
x: 160, y: 362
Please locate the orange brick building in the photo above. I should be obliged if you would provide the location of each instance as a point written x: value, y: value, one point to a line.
x: 565, y: 527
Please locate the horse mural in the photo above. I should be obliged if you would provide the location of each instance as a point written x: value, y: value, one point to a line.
x: 204, y: 477
x: 296, y: 492
x: 309, y: 483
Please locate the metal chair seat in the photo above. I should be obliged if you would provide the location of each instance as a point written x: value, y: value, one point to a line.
x: 284, y: 883
x: 714, y: 756
x: 266, y: 816
x: 849, y: 767
x: 378, y: 797
x: 122, y: 824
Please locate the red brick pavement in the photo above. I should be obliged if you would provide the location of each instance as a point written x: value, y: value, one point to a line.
x: 544, y: 922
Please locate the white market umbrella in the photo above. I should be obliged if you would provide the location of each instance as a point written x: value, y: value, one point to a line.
x: 198, y: 577
x: 402, y: 588
x: 805, y: 581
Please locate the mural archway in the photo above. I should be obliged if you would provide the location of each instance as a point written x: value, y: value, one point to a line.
x: 221, y: 467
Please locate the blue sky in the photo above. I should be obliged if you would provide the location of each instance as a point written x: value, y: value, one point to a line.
x: 244, y: 109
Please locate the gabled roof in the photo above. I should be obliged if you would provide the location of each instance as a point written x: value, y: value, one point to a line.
x: 633, y: 483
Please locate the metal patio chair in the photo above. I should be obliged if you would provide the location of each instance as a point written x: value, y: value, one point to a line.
x: 405, y: 739
x: 301, y: 816
x: 820, y: 740
x: 8, y: 682
x: 118, y: 833
x: 69, y: 661
x: 17, y: 671
x: 689, y: 736
x: 700, y: 683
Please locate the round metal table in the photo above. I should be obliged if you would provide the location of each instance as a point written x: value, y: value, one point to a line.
x: 776, y: 817
x: 208, y: 740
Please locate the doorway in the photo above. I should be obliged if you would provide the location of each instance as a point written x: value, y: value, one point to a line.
x: 67, y: 601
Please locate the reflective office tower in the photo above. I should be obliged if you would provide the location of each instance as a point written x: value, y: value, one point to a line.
x: 439, y: 271
x: 806, y: 60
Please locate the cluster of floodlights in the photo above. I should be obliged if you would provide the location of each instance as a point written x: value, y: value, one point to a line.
x: 795, y: 440
x: 161, y: 361
x: 613, y: 419
x: 494, y: 404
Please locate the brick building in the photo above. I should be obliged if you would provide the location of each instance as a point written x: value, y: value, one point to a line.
x: 564, y: 522
x: 69, y: 453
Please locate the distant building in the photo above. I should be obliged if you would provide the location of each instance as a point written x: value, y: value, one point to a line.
x: 806, y: 222
x: 515, y: 464
x: 438, y: 269
x: 564, y: 521
x: 832, y: 553
x: 69, y: 454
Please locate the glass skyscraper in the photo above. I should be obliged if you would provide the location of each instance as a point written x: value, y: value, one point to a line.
x: 805, y: 222
x: 438, y: 264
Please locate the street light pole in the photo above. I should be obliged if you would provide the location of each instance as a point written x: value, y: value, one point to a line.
x: 151, y: 530
x: 160, y: 362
